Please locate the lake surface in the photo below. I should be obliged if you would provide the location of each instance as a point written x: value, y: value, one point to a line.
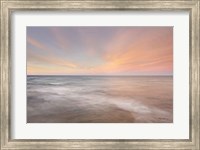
x: 99, y: 99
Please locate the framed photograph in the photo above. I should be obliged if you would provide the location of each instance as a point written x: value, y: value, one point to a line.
x: 100, y: 74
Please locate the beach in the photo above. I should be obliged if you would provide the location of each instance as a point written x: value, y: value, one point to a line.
x: 99, y: 99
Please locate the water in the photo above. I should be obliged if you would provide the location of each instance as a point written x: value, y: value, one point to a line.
x: 99, y: 99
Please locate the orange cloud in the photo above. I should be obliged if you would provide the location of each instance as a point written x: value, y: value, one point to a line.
x: 144, y: 53
x: 37, y: 44
x: 50, y: 61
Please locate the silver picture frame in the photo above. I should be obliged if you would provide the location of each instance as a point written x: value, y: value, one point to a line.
x: 10, y: 6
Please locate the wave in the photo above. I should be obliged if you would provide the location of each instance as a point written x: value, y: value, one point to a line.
x: 97, y: 100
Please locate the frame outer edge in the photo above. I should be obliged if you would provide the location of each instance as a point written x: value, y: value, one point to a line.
x: 4, y: 77
x: 195, y: 76
x: 5, y: 72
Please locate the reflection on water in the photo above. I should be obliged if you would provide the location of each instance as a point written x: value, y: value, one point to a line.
x: 99, y: 99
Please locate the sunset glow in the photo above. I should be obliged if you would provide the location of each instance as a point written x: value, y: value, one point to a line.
x: 99, y: 50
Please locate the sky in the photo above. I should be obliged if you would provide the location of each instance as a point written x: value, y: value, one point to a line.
x: 99, y: 50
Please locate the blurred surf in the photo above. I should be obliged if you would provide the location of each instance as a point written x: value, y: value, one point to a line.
x: 99, y: 99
